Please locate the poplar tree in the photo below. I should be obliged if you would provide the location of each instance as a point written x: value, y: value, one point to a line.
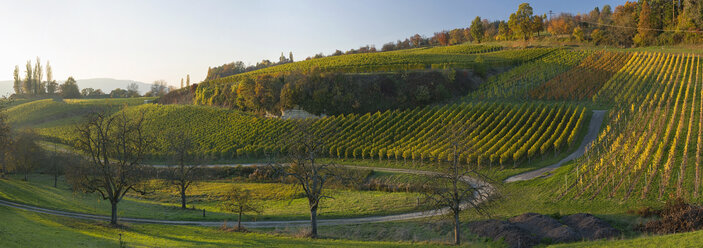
x: 18, y: 82
x: 28, y: 78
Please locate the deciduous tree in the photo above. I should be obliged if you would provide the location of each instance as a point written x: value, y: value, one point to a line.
x: 522, y: 21
x: 645, y: 27
x: 26, y: 154
x: 17, y: 81
x: 458, y: 186
x: 182, y: 150
x: 115, y: 146
x: 239, y: 201
x: 477, y: 29
x: 69, y: 89
x: 304, y: 144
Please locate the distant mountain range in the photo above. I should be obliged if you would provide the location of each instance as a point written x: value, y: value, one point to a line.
x: 104, y: 84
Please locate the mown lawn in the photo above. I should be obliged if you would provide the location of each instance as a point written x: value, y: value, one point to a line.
x: 278, y: 201
x: 19, y: 228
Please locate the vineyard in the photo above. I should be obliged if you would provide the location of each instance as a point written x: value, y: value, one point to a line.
x: 652, y: 146
x: 500, y: 134
x: 584, y: 80
x: 520, y: 81
x: 459, y: 56
x: 46, y: 110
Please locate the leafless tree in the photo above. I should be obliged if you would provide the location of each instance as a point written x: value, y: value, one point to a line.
x: 304, y: 144
x: 115, y: 146
x: 26, y: 154
x: 239, y: 201
x: 181, y: 148
x: 457, y: 186
x: 159, y: 88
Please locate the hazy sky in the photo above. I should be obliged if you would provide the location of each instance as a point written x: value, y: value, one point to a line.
x: 150, y: 40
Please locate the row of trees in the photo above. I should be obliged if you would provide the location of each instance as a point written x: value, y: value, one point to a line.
x: 643, y: 23
x: 33, y: 83
x: 113, y: 147
x: 240, y: 67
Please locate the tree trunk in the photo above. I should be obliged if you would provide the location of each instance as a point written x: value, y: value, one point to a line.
x: 113, y: 217
x: 56, y: 176
x: 313, y: 222
x: 457, y: 231
x: 183, y: 198
x: 239, y: 219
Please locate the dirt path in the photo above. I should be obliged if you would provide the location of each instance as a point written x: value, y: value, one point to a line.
x: 592, y: 134
x: 270, y: 224
x: 593, y: 128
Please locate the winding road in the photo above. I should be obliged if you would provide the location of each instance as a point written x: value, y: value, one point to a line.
x: 592, y: 134
x: 593, y: 128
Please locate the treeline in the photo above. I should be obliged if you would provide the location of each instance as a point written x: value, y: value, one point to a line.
x: 33, y: 85
x: 239, y: 67
x: 643, y: 23
x: 337, y: 93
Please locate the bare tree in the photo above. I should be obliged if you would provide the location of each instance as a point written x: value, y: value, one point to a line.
x: 181, y: 148
x: 58, y: 161
x: 115, y: 146
x: 304, y: 144
x: 239, y: 201
x: 159, y: 88
x: 26, y: 154
x: 457, y: 186
x: 132, y: 90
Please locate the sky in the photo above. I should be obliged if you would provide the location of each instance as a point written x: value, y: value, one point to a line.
x: 148, y: 40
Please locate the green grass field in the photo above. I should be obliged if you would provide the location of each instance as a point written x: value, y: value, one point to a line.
x: 279, y: 201
x: 26, y: 229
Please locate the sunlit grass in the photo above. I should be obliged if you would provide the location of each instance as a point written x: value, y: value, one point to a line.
x: 20, y: 228
x: 278, y: 201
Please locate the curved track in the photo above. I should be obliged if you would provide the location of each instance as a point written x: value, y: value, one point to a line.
x: 592, y: 134
x: 270, y: 224
x: 593, y: 128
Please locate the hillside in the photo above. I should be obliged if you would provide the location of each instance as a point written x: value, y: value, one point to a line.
x: 530, y: 116
x: 363, y: 83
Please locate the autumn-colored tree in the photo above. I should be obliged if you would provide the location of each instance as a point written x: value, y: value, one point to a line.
x: 624, y: 16
x: 646, y: 34
x: 416, y: 40
x: 456, y: 36
x: 442, y: 38
x: 561, y: 25
x: 477, y: 29
x: 578, y: 34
